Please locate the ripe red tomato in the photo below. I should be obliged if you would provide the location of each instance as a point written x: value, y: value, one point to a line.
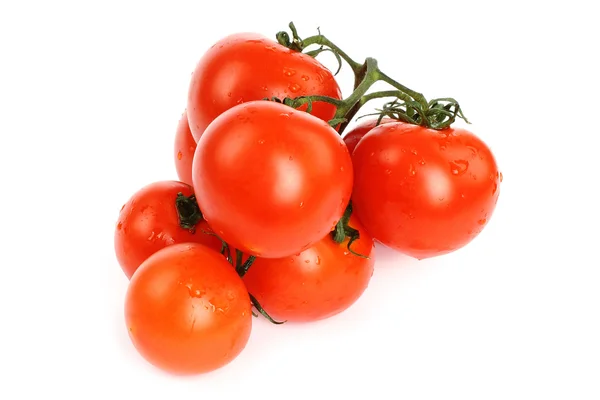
x: 247, y: 66
x: 149, y: 221
x: 272, y: 181
x: 318, y: 283
x: 185, y: 146
x: 353, y: 136
x: 187, y: 310
x: 421, y: 191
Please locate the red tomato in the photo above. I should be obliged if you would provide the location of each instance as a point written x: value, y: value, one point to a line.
x: 185, y: 146
x: 272, y: 181
x: 149, y: 221
x: 318, y: 283
x: 187, y: 310
x: 421, y: 191
x: 353, y: 136
x: 246, y: 66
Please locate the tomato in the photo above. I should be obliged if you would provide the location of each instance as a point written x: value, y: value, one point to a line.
x: 185, y: 146
x: 247, y: 66
x: 149, y: 221
x: 187, y: 310
x: 272, y: 181
x: 421, y: 191
x: 318, y: 283
x: 353, y: 136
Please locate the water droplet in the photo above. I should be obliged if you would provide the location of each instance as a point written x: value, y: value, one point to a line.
x: 265, y: 88
x: 291, y: 158
x: 179, y: 155
x: 482, y: 221
x: 230, y: 296
x: 253, y: 41
x: 388, y: 171
x: 240, y: 100
x: 411, y: 215
x: 495, y: 188
x: 372, y: 154
x: 422, y: 161
x: 473, y: 150
x: 119, y: 225
x: 341, y: 169
x: 289, y: 72
x: 462, y: 196
x: 305, y: 78
x: 501, y: 176
x: 261, y: 141
x: 411, y: 170
x: 442, y: 147
x: 294, y: 88
x: 284, y: 115
x: 307, y: 261
x: 301, y: 204
x: 272, y: 48
x: 413, y: 151
x: 441, y: 198
x: 459, y: 167
x: 318, y: 260
x: 151, y: 236
x: 229, y: 94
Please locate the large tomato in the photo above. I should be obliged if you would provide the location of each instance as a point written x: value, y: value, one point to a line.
x: 185, y: 146
x: 318, y: 283
x: 271, y: 181
x: 421, y: 191
x: 149, y: 221
x: 247, y: 66
x: 187, y: 310
x: 353, y: 136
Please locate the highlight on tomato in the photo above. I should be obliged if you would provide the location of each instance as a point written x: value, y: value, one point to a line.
x: 158, y: 215
x: 271, y: 180
x: 185, y: 147
x: 187, y: 311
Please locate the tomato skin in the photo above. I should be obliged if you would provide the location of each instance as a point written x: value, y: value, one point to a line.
x: 185, y: 146
x: 353, y: 136
x: 187, y: 310
x: 148, y: 222
x: 272, y: 181
x: 318, y: 283
x: 421, y: 191
x: 247, y: 66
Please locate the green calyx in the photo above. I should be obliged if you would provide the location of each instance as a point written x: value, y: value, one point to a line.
x: 406, y: 105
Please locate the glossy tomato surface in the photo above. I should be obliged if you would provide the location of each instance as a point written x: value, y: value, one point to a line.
x: 247, y: 66
x: 149, y: 222
x: 320, y: 282
x: 187, y: 311
x: 271, y: 180
x: 184, y: 147
x: 421, y: 191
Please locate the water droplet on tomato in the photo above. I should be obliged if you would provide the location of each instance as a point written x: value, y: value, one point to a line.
x: 265, y: 88
x: 442, y: 147
x: 229, y: 94
x: 253, y: 41
x: 291, y: 158
x: 240, y: 100
x: 413, y: 151
x: 459, y: 167
x: 501, y: 176
x: 284, y: 115
x: 372, y: 154
x: 272, y: 48
x: 388, y: 171
x: 305, y: 78
x: 482, y: 221
x: 289, y: 72
x: 294, y: 88
x: 422, y: 161
x: 261, y: 141
x: 462, y: 196
x: 318, y: 260
x: 473, y: 150
x: 307, y: 261
x: 411, y: 215
x: 301, y: 204
x: 151, y: 236
x: 411, y: 170
x: 441, y: 199
x: 119, y: 225
x: 179, y: 155
x: 341, y: 169
x: 495, y: 188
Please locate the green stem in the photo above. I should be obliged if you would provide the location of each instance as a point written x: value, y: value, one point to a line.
x: 188, y: 212
x: 415, y: 95
x: 323, y: 41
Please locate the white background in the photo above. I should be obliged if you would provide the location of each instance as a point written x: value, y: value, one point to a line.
x: 90, y: 96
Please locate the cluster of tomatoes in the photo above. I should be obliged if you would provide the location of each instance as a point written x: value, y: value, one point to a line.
x: 277, y: 210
